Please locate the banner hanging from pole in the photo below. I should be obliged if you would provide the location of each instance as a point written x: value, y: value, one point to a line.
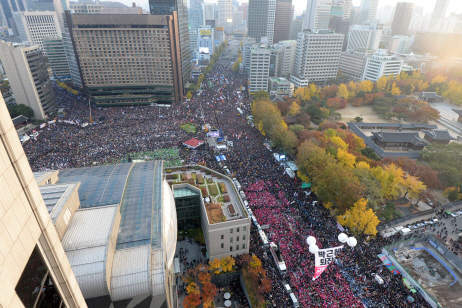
x: 323, y: 258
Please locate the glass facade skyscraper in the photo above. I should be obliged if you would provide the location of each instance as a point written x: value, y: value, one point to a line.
x: 165, y: 7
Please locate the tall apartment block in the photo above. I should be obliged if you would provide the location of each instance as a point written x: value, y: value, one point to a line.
x: 259, y: 67
x: 368, y: 10
x: 225, y: 11
x: 365, y: 36
x: 261, y: 18
x: 128, y: 59
x: 34, y: 26
x: 402, y: 18
x: 282, y: 20
x: 317, y: 14
x: 382, y: 64
x: 27, y: 72
x: 167, y: 7
x: 56, y: 54
x: 317, y: 57
x: 32, y: 256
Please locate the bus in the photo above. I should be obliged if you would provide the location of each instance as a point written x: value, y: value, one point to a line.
x: 278, y: 260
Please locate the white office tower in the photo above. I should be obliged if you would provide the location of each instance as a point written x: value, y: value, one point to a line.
x: 347, y: 4
x: 365, y: 36
x: 225, y: 11
x: 205, y: 39
x: 352, y: 63
x: 368, y: 10
x: 399, y: 44
x: 288, y: 57
x: 439, y: 12
x: 317, y: 14
x: 381, y: 64
x: 259, y: 60
x: 208, y: 11
x: 29, y: 79
x: 261, y: 16
x: 34, y: 26
x: 248, y: 44
x: 317, y: 57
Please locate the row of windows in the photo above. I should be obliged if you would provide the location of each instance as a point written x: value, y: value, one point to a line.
x: 231, y: 247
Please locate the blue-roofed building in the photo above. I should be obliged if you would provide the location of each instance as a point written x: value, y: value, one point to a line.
x: 121, y: 240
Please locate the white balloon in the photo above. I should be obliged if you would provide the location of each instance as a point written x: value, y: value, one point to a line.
x: 352, y: 242
x: 311, y: 240
x: 342, y: 237
x: 313, y: 248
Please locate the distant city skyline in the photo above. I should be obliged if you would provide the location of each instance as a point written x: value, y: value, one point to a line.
x: 455, y: 6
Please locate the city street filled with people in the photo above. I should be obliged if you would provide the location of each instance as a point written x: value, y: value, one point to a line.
x: 275, y: 198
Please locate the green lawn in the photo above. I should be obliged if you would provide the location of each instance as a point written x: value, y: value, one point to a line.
x: 188, y: 127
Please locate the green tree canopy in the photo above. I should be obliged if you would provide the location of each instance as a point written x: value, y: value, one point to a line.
x: 17, y: 110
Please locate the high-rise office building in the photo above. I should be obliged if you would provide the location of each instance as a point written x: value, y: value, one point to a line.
x: 147, y: 72
x: 247, y: 45
x: 225, y: 10
x: 56, y: 54
x: 355, y: 15
x: 69, y: 48
x: 196, y: 4
x: 34, y: 26
x: 366, y: 36
x: 32, y: 254
x: 27, y: 73
x: 317, y: 57
x: 237, y: 21
x: 347, y: 4
x: 399, y: 44
x: 337, y: 8
x: 259, y: 67
x: 205, y: 39
x: 402, y: 18
x: 196, y: 20
x: 208, y: 11
x: 289, y: 49
x: 381, y: 64
x: 276, y: 60
x: 368, y: 10
x: 317, y: 14
x: 166, y: 7
x: 7, y: 9
x: 352, y: 63
x: 283, y: 18
x: 243, y: 8
x: 261, y: 17
x: 297, y: 26
x: 439, y: 12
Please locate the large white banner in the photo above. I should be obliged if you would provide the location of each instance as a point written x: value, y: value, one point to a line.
x: 323, y: 258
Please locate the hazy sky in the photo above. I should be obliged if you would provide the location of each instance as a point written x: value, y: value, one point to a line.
x: 300, y: 5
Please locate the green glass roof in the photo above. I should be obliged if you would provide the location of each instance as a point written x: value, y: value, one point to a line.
x: 184, y: 192
x: 102, y: 185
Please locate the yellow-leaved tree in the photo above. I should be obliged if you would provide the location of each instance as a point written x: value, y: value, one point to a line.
x: 339, y: 142
x: 382, y: 83
x: 342, y: 91
x: 359, y: 219
x: 255, y: 262
x: 439, y: 79
x: 294, y: 109
x: 394, y: 89
x: 227, y: 263
x: 346, y: 159
x: 366, y: 86
x: 215, y: 265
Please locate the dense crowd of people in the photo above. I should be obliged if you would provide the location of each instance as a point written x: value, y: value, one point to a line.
x: 275, y: 198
